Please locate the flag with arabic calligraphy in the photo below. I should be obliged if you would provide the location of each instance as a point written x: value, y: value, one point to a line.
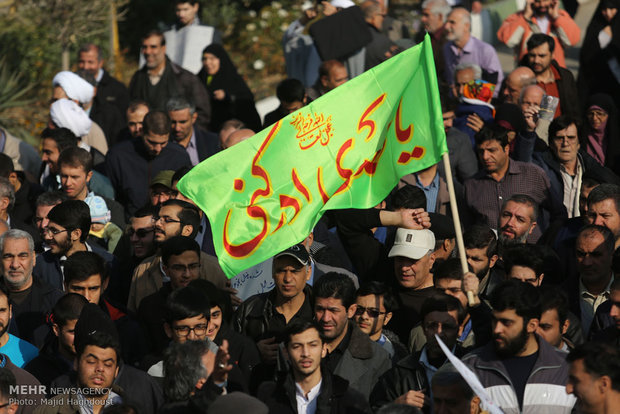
x: 347, y: 149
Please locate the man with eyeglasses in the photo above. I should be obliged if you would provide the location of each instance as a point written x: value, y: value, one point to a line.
x: 374, y: 305
x: 175, y: 218
x: 408, y: 382
x: 65, y: 234
x: 180, y: 259
x: 132, y: 163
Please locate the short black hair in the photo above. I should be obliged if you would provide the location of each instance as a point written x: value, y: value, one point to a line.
x: 291, y: 90
x: 63, y: 137
x: 524, y: 255
x: 6, y: 165
x: 8, y: 384
x: 599, y: 360
x: 553, y: 298
x: 178, y: 245
x: 448, y: 269
x: 82, y: 265
x: 189, y: 214
x: 442, y: 302
x: 481, y: 237
x: 68, y: 308
x: 217, y: 297
x: 335, y: 285
x: 72, y: 215
x: 100, y: 339
x: 608, y: 236
x: 522, y: 297
x: 562, y: 122
x: 155, y: 32
x: 409, y: 196
x: 186, y: 302
x: 538, y: 39
x: 76, y: 157
x: 492, y: 133
x: 604, y: 192
x: 156, y: 122
x: 373, y: 287
x: 145, y: 211
x: 298, y: 327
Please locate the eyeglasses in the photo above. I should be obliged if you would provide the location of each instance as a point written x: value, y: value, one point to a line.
x: 182, y: 268
x: 166, y: 219
x: 199, y: 330
x: 434, y: 326
x: 141, y: 233
x: 372, y: 312
x: 53, y: 230
x: 169, y: 193
x: 598, y: 114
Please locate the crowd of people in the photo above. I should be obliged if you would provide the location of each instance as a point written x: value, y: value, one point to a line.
x: 112, y: 299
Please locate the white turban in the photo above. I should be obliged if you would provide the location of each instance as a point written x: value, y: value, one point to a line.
x: 343, y: 4
x: 67, y: 114
x: 74, y: 86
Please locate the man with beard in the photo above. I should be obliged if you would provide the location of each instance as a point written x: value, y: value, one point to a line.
x: 481, y: 252
x: 594, y: 378
x: 31, y: 298
x: 20, y: 352
x: 408, y: 382
x: 520, y: 371
x: 434, y: 15
x: 175, y: 218
x: 540, y: 16
x: 554, y: 79
x: 594, y: 250
x: 462, y: 47
x: 517, y: 220
x: 65, y: 234
x: 609, y: 328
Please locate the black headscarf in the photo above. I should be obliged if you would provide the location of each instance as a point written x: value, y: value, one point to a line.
x: 612, y: 154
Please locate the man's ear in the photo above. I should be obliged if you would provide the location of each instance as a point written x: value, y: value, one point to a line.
x: 187, y: 230
x: 89, y: 176
x: 493, y: 260
x: 168, y: 330
x: 351, y: 311
x: 324, y: 350
x: 76, y: 235
x: 565, y: 326
x: 532, y: 325
x: 195, y: 115
x: 532, y: 228
x: 104, y: 284
x: 56, y: 329
x: 388, y: 317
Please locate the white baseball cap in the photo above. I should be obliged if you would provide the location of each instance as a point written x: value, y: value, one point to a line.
x: 413, y: 244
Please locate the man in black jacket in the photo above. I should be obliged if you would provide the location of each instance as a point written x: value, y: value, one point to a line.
x: 307, y: 384
x: 555, y: 80
x: 160, y: 79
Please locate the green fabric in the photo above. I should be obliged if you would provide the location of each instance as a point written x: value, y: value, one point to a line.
x: 346, y: 149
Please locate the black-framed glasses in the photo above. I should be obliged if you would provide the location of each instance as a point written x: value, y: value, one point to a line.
x: 199, y: 330
x: 53, y: 230
x: 141, y: 233
x: 372, y: 312
x: 166, y: 219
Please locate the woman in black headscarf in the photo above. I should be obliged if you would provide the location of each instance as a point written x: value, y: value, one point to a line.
x: 230, y: 95
x: 599, y: 136
x: 599, y: 61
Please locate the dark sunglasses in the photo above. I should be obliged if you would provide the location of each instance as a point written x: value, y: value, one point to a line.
x: 373, y: 313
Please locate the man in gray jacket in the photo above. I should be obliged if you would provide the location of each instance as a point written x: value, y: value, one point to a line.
x: 350, y: 352
x: 521, y: 372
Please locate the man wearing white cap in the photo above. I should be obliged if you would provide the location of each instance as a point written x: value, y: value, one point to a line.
x: 413, y: 259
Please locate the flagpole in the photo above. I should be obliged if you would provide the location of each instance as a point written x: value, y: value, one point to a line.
x: 457, y: 222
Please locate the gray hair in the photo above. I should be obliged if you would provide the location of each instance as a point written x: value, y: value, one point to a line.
x: 526, y: 88
x: 179, y: 104
x: 436, y: 7
x: 183, y: 368
x: 7, y: 190
x: 465, y: 13
x: 464, y: 66
x: 16, y: 234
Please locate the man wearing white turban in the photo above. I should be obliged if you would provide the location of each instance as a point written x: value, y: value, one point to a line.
x: 65, y: 113
x: 69, y: 85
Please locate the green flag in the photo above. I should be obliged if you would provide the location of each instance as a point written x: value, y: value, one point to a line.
x: 346, y: 149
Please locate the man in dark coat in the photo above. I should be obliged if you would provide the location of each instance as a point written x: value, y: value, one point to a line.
x: 160, y: 79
